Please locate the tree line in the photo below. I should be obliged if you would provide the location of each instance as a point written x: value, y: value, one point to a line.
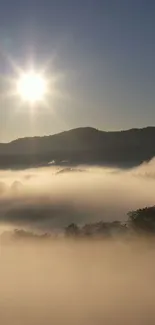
x: 141, y: 221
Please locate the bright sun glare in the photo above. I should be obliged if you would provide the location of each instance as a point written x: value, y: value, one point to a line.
x: 31, y: 87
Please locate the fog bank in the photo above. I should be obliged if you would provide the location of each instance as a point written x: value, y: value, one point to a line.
x: 77, y: 283
x: 44, y: 198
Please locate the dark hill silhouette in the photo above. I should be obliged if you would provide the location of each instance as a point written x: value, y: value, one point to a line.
x: 81, y: 145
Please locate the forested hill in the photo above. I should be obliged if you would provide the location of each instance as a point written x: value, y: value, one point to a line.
x: 82, y: 145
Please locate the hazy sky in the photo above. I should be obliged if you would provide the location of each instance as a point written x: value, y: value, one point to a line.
x: 102, y: 51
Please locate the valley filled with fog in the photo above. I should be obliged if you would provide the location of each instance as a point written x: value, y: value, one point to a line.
x: 53, y: 197
x: 69, y: 281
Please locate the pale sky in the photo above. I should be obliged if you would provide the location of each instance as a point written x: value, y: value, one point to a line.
x: 101, y: 52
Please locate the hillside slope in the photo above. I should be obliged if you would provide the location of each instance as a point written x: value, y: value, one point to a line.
x: 81, y: 145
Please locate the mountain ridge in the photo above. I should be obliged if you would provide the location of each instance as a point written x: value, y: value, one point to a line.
x: 79, y: 128
x: 81, y: 145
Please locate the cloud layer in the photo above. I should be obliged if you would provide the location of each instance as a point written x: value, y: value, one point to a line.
x: 77, y: 283
x: 64, y: 282
x: 50, y: 197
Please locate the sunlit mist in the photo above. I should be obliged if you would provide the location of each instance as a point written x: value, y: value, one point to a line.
x: 61, y: 281
x: 53, y: 197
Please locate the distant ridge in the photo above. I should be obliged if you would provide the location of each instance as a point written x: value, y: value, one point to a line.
x: 84, y: 145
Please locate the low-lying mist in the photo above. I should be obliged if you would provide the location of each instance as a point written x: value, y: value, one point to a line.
x: 44, y: 198
x: 83, y: 282
x: 86, y: 283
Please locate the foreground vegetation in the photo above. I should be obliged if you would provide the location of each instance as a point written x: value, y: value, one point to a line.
x: 141, y: 222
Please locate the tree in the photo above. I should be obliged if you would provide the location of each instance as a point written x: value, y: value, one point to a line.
x: 72, y: 230
x: 142, y: 220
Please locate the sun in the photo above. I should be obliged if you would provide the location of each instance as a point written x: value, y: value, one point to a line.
x: 31, y: 87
